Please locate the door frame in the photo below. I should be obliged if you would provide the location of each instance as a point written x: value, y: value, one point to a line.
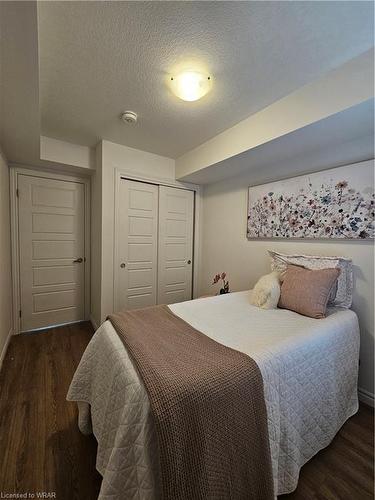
x: 197, y: 223
x: 15, y: 171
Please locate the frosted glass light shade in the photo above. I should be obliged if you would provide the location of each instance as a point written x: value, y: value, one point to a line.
x: 190, y: 85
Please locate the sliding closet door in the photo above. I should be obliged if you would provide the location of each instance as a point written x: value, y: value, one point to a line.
x: 137, y: 245
x: 176, y: 210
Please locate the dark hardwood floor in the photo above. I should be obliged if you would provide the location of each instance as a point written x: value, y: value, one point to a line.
x: 41, y: 448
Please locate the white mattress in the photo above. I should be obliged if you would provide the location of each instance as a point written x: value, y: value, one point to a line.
x: 309, y: 368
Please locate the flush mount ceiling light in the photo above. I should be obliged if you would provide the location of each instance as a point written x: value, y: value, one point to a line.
x: 190, y: 85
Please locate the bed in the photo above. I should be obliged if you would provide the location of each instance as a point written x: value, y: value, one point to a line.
x: 309, y: 369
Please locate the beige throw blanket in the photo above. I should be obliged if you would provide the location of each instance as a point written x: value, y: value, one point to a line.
x: 208, y: 408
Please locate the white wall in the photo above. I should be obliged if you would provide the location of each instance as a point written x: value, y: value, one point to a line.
x: 66, y: 153
x: 226, y: 248
x: 111, y: 156
x: 5, y: 259
x: 96, y: 239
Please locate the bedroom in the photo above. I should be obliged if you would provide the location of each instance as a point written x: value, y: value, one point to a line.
x: 159, y: 159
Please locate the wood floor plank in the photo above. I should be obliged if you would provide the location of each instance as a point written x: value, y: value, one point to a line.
x: 43, y: 450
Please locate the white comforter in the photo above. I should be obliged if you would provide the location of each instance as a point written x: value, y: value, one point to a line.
x: 309, y: 368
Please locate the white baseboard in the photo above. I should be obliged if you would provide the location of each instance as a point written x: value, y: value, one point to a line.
x: 5, y: 348
x: 366, y: 397
x: 93, y: 322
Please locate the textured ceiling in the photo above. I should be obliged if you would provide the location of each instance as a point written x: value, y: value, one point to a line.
x: 100, y: 58
x: 19, y: 104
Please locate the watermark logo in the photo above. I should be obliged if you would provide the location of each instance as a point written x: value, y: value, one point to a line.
x: 28, y: 495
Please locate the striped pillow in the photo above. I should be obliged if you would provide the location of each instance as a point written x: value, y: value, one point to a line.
x: 342, y: 293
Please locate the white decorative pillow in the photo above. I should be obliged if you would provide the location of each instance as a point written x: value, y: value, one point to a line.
x: 266, y: 292
x: 342, y: 294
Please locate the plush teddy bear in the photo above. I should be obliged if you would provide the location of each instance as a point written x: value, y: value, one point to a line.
x: 266, y: 292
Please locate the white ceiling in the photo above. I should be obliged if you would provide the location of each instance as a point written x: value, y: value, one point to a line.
x: 97, y: 59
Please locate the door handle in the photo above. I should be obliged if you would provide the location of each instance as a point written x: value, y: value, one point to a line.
x: 79, y: 260
x: 189, y: 261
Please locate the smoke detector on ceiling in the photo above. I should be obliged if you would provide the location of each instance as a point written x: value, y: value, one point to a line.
x: 129, y: 117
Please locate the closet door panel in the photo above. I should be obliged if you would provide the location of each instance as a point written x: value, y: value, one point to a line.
x: 176, y: 211
x: 137, y: 245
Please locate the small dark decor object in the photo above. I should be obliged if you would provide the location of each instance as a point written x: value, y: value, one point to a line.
x: 225, y: 287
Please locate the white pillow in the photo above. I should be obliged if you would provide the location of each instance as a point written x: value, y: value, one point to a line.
x: 266, y: 292
x: 342, y: 295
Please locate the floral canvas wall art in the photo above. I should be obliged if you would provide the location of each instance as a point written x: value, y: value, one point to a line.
x: 336, y: 203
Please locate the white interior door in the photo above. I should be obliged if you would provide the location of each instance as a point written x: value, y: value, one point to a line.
x: 176, y: 211
x: 51, y: 241
x: 137, y: 245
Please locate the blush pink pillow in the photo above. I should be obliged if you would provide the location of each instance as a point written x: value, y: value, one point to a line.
x: 307, y: 291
